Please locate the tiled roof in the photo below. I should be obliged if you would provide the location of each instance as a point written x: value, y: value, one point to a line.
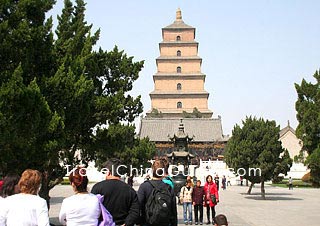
x: 178, y: 24
x: 203, y: 129
x: 286, y: 129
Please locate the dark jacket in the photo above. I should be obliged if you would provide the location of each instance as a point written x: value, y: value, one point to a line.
x: 120, y: 200
x: 197, y: 195
x: 144, y: 192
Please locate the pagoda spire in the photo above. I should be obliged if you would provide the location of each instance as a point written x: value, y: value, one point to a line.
x: 178, y: 15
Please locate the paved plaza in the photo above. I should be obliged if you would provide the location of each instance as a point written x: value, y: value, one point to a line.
x: 283, y: 207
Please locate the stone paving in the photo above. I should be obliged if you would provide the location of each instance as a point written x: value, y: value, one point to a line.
x: 283, y: 207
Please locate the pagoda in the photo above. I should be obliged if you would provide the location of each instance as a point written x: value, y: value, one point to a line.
x: 179, y: 93
x: 179, y: 82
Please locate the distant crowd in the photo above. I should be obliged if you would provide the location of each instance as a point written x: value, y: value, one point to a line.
x: 111, y: 202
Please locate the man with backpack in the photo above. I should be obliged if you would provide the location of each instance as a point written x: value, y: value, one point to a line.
x: 157, y: 200
x: 119, y: 198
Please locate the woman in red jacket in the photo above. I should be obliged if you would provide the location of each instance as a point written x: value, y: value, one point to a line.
x: 211, y: 197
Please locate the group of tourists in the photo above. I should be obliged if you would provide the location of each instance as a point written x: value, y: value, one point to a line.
x: 20, y: 204
x: 199, y: 197
x: 111, y: 202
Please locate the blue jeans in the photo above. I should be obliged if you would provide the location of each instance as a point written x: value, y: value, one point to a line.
x: 187, y: 206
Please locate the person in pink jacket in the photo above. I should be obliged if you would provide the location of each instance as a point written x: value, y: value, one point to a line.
x: 211, y: 197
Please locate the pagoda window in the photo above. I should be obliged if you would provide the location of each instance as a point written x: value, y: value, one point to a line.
x: 178, y: 53
x: 179, y: 105
x: 179, y: 69
x: 178, y: 38
x: 179, y: 86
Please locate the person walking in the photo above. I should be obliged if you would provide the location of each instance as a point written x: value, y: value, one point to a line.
x: 186, y: 200
x: 211, y: 197
x: 197, y: 202
x: 290, y: 184
x: 166, y: 214
x: 119, y: 198
x: 228, y: 181
x: 216, y: 180
x: 224, y: 181
x: 25, y: 208
x: 241, y: 181
x: 82, y: 208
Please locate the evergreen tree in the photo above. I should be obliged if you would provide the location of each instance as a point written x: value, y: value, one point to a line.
x: 60, y: 96
x: 308, y: 130
x: 282, y: 167
x: 256, y: 145
x: 30, y: 133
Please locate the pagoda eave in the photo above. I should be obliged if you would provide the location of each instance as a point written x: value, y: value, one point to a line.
x: 158, y: 95
x: 179, y: 76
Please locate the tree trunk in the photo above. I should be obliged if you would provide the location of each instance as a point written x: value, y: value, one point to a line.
x: 250, y: 188
x: 47, y: 184
x: 44, y: 190
x: 263, y: 191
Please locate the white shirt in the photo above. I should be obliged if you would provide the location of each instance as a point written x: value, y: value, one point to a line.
x: 80, y: 209
x: 1, y: 211
x: 24, y: 210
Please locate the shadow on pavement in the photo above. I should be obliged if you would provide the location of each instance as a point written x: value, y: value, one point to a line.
x: 56, y: 200
x: 271, y: 198
x: 271, y: 193
x: 54, y: 221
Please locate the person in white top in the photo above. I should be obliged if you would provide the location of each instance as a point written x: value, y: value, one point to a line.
x: 82, y: 208
x: 26, y: 208
x: 1, y: 204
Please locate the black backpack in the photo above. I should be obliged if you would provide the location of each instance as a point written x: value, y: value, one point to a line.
x: 159, y: 205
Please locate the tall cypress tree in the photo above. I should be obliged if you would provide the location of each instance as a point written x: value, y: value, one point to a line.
x: 308, y: 130
x: 54, y: 94
x: 30, y: 131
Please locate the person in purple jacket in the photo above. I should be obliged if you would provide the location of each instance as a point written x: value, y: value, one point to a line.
x: 197, y: 202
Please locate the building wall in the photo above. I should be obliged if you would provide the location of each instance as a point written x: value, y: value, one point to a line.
x: 185, y: 36
x: 187, y: 104
x: 186, y: 85
x: 185, y: 50
x: 186, y: 66
x: 291, y: 143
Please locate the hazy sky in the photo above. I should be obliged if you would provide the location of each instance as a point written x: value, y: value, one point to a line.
x: 253, y: 51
